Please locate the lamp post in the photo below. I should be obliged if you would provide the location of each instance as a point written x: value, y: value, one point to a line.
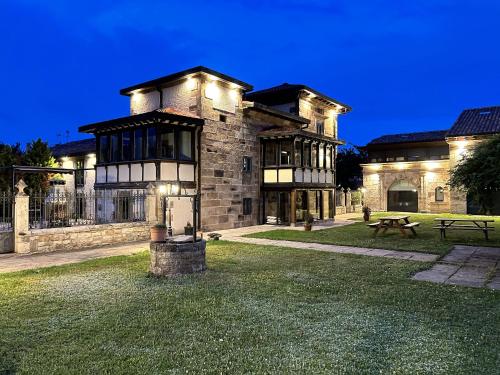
x: 166, y: 191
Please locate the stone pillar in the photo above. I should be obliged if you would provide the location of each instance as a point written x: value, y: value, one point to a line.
x: 150, y: 205
x: 341, y: 197
x: 348, y: 200
x: 21, y: 219
x: 293, y: 208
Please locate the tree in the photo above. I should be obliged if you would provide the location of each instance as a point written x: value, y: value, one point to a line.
x: 38, y: 154
x: 9, y: 156
x: 478, y: 174
x: 349, y: 172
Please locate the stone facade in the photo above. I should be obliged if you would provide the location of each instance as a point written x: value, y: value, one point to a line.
x: 426, y: 176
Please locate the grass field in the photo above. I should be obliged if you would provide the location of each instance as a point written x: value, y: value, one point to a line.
x: 256, y: 310
x: 427, y: 240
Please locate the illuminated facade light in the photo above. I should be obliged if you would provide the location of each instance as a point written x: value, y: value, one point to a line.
x: 212, y: 90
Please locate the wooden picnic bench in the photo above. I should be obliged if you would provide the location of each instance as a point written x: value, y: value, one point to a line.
x: 401, y: 223
x: 455, y: 224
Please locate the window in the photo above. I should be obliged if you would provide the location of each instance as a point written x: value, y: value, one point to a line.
x: 320, y: 126
x: 298, y: 154
x: 247, y: 206
x: 321, y: 153
x: 79, y: 173
x: 222, y: 118
x: 103, y: 149
x: 167, y: 150
x: 286, y: 153
x: 247, y: 164
x: 307, y: 154
x: 185, y: 147
x: 319, y: 110
x: 314, y: 155
x: 439, y: 194
x: 270, y: 153
x: 115, y: 147
x: 126, y: 146
x: 328, y: 158
x: 138, y: 143
x: 151, y: 143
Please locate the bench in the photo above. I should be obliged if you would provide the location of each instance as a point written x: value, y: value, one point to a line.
x: 477, y: 225
x: 410, y: 226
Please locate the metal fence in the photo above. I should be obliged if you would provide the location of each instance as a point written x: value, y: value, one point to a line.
x: 63, y: 209
x: 5, y: 211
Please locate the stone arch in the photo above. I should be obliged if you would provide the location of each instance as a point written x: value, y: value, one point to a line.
x: 402, y: 195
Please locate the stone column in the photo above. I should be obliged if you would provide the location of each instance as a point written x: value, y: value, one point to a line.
x: 293, y: 208
x: 348, y: 200
x: 21, y: 219
x: 150, y: 205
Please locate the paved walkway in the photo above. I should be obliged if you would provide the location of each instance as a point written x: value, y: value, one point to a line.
x: 468, y: 266
x: 235, y: 235
x: 19, y: 262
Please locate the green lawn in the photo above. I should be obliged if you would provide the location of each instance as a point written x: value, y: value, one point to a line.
x: 256, y: 310
x: 427, y: 240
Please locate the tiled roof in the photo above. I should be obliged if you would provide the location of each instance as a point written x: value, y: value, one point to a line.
x: 75, y: 148
x: 476, y: 121
x: 286, y: 93
x: 429, y: 136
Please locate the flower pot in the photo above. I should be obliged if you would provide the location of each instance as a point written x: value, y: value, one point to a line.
x: 188, y: 231
x: 307, y: 227
x: 158, y: 234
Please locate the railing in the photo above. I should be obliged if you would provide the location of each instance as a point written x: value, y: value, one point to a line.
x: 63, y: 209
x: 5, y: 211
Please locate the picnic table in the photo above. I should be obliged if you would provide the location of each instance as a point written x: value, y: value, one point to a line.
x: 401, y: 223
x: 446, y: 223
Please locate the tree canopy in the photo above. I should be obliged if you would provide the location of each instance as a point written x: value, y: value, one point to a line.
x: 478, y: 174
x: 37, y: 153
x: 349, y: 172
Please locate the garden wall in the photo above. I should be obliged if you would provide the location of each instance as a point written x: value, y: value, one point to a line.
x: 80, y: 237
x: 6, y: 244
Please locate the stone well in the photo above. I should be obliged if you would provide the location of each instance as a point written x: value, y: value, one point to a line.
x: 177, y: 256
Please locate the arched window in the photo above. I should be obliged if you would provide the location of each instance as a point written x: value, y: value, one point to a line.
x: 439, y: 194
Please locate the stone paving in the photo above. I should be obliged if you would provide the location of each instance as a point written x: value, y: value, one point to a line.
x: 18, y: 262
x: 471, y: 266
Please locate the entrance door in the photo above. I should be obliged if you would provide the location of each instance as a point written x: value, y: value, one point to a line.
x: 402, y: 196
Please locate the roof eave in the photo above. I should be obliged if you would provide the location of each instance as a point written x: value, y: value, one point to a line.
x: 159, y: 82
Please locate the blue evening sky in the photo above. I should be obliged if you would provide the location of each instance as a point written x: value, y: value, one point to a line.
x: 402, y: 65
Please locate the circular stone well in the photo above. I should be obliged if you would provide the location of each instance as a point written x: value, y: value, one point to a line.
x: 177, y: 256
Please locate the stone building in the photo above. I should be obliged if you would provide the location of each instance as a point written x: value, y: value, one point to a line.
x: 409, y: 172
x: 255, y: 157
x: 81, y: 158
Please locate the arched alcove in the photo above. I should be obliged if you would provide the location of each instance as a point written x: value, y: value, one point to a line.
x: 402, y: 195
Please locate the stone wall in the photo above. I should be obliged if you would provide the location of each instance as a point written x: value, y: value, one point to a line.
x: 75, y: 238
x: 6, y: 244
x: 425, y: 176
x: 224, y: 185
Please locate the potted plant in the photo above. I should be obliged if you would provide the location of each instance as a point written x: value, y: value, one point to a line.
x: 188, y: 229
x: 308, y: 222
x: 158, y: 233
x: 366, y: 213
